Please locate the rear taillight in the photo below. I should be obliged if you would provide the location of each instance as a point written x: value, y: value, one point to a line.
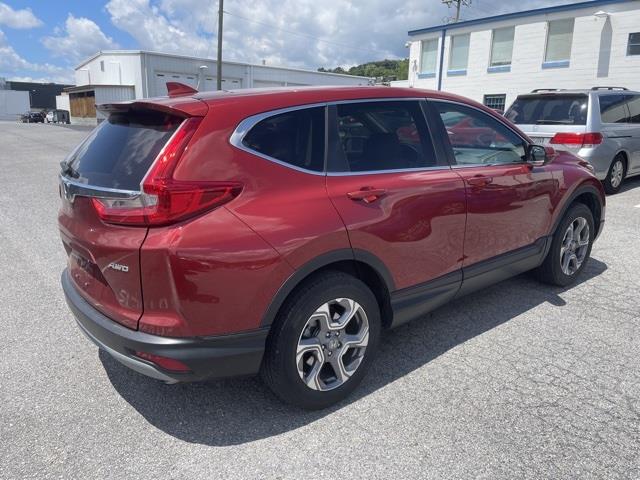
x: 165, y: 200
x: 577, y: 139
x: 165, y: 363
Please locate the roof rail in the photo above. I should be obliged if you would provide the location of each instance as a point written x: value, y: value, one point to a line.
x: 547, y: 90
x: 609, y: 88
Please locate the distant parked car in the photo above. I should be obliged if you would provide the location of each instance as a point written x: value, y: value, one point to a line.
x: 32, y: 117
x: 601, y: 125
x: 58, y: 116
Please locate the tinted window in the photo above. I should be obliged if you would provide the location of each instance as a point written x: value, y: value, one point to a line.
x: 120, y: 151
x: 479, y: 139
x: 634, y: 108
x: 613, y: 109
x: 295, y: 137
x: 384, y: 136
x: 549, y: 110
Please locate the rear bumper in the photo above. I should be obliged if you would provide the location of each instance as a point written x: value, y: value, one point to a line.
x: 207, y: 357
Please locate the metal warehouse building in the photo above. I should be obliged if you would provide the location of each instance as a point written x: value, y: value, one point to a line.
x: 129, y: 74
x: 494, y: 59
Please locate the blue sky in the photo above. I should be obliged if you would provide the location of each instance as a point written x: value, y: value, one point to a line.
x: 43, y: 40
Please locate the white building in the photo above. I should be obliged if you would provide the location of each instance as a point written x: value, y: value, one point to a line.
x: 492, y: 60
x: 12, y: 103
x: 117, y: 75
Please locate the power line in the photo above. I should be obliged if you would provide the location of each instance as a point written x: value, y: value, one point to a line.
x: 306, y: 35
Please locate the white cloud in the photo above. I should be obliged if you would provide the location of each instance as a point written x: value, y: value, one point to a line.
x: 327, y: 33
x: 18, y: 18
x: 79, y: 39
x: 12, y: 64
x: 154, y: 30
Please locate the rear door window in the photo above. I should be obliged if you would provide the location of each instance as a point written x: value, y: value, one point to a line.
x: 120, y: 151
x: 613, y: 109
x: 555, y: 109
x: 634, y: 108
x: 295, y: 138
x: 385, y: 135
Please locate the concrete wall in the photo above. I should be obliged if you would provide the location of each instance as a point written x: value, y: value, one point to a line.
x: 598, y: 55
x: 13, y: 104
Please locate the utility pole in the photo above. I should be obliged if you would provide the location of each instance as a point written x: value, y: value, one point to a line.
x: 458, y: 4
x: 219, y: 62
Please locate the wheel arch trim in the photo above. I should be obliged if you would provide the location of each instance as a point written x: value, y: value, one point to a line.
x: 316, y: 264
x: 581, y: 190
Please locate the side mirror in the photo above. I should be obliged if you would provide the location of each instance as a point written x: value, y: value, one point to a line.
x: 538, y: 155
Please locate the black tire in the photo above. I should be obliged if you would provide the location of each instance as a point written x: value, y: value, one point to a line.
x: 279, y: 370
x: 606, y: 183
x: 551, y: 270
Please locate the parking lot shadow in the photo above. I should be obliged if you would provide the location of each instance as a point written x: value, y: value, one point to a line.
x: 630, y: 184
x: 242, y: 410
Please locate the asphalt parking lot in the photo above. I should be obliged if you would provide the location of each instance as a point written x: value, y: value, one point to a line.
x: 518, y: 381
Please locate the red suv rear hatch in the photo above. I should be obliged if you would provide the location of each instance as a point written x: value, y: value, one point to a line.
x: 103, y: 217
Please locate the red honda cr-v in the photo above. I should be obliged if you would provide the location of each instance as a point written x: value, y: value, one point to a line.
x: 282, y: 231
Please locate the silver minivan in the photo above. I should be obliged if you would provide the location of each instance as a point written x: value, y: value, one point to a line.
x: 601, y: 125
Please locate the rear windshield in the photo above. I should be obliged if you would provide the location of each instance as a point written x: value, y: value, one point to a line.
x: 120, y: 151
x: 549, y: 110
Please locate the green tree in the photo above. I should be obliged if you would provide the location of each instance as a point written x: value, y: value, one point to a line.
x: 385, y: 70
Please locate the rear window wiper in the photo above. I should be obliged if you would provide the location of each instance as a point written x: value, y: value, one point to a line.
x: 554, y: 122
x: 68, y: 170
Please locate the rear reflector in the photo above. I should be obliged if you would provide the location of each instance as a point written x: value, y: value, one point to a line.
x: 577, y: 139
x: 164, y: 200
x: 164, y: 362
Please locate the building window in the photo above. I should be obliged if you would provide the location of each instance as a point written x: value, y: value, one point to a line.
x: 496, y: 102
x: 102, y: 65
x: 502, y: 47
x: 428, y: 56
x: 634, y: 44
x: 459, y: 54
x: 559, y: 39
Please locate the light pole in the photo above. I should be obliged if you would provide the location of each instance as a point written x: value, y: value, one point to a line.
x: 458, y: 4
x: 219, y: 60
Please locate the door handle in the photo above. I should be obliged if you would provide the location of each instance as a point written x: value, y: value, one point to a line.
x: 479, y: 181
x: 367, y: 194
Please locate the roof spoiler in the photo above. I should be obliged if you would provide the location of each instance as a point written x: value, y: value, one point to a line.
x: 181, y: 107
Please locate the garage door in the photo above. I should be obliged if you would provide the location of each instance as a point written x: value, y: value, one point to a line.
x: 227, y: 84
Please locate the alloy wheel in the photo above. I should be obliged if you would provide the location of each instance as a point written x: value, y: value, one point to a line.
x: 617, y: 170
x: 575, y: 244
x: 332, y: 344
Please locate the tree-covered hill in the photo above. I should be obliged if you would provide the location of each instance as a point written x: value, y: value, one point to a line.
x: 384, y: 69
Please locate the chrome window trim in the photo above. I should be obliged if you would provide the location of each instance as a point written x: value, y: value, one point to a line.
x: 72, y: 188
x: 395, y: 170
x: 248, y: 123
